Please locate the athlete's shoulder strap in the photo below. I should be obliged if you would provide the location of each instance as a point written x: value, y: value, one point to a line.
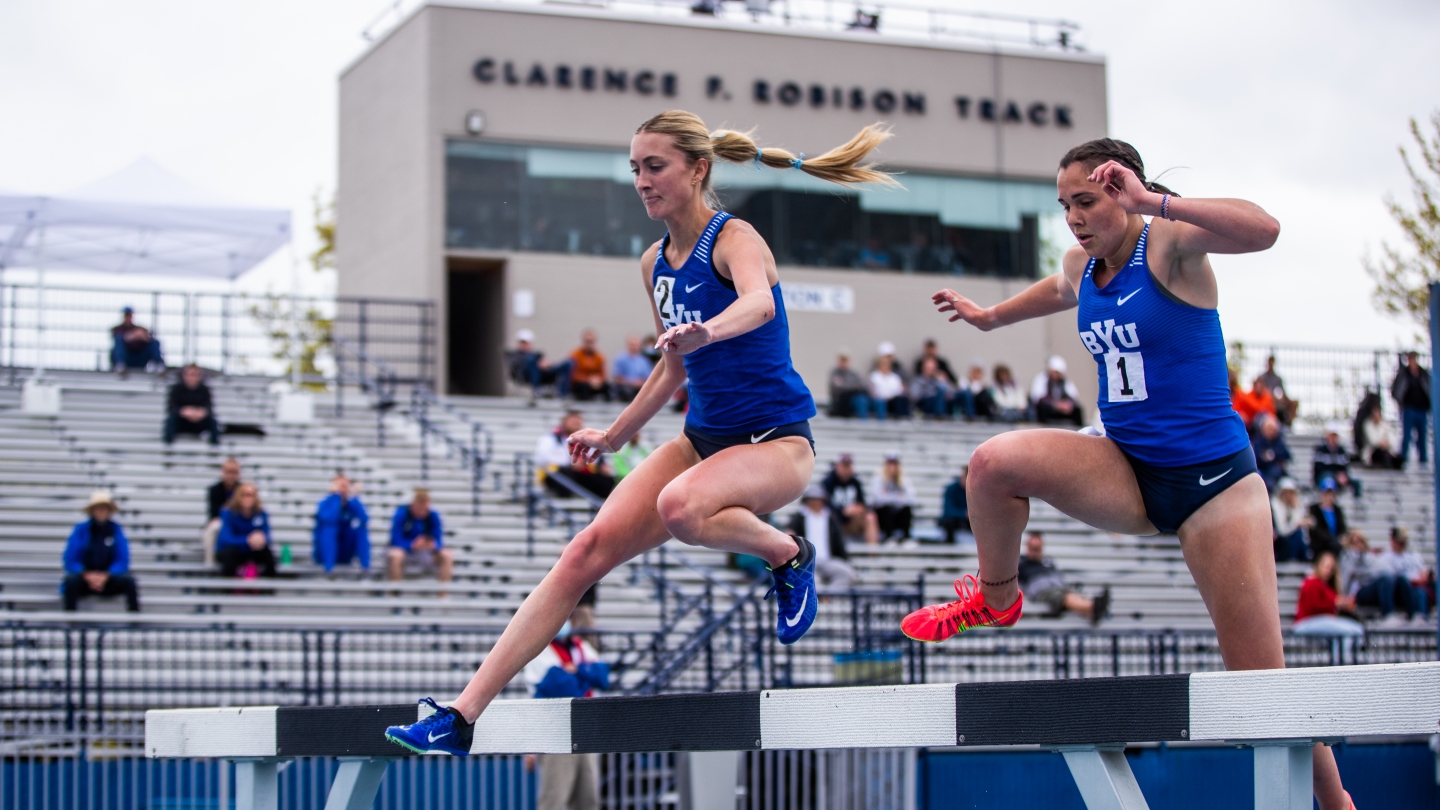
x: 1138, y: 257
x: 708, y: 236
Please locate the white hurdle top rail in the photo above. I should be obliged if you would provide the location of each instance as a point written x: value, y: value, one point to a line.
x: 1281, y: 713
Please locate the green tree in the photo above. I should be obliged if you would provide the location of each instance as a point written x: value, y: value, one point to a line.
x: 1402, y: 278
x: 315, y: 332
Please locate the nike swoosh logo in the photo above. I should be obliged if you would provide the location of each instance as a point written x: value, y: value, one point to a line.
x: 1205, y: 483
x: 1120, y: 302
x: 688, y: 288
x: 801, y: 612
x: 757, y: 439
x: 432, y: 737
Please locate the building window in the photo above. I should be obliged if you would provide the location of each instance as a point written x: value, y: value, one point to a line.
x: 502, y: 197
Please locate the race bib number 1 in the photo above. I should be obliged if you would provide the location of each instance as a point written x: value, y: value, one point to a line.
x: 1125, y: 372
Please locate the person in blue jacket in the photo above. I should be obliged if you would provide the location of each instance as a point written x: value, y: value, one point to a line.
x: 244, y: 536
x: 342, y: 527
x: 97, y: 557
x: 416, y: 531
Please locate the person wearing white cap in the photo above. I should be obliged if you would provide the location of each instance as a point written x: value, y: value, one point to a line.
x: 528, y: 366
x: 97, y: 557
x: 1055, y: 398
x: 887, y: 389
x: 817, y: 523
x: 1291, y: 521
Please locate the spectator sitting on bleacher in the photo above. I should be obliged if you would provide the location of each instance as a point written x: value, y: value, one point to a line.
x: 1327, y: 522
x: 216, y: 497
x: 1330, y: 460
x: 893, y: 501
x: 568, y: 668
x: 1250, y: 403
x: 974, y: 399
x: 821, y: 526
x: 1054, y: 397
x: 416, y: 531
x: 1290, y: 521
x: 552, y: 455
x: 1272, y: 454
x: 930, y: 390
x: 97, y: 557
x: 1010, y: 400
x: 528, y: 366
x: 133, y: 346
x: 1370, y: 580
x: 342, y: 527
x: 887, y: 388
x: 847, y: 499
x: 849, y: 395
x: 1411, y: 390
x: 190, y: 408
x: 1380, y: 443
x: 627, y: 458
x: 587, y: 370
x: 243, y: 547
x: 1406, y: 565
x: 632, y: 369
x: 1319, y: 603
x: 955, y: 508
x: 1042, y: 582
x: 932, y: 352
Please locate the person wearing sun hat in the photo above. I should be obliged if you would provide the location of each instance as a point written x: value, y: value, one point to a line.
x: 97, y: 557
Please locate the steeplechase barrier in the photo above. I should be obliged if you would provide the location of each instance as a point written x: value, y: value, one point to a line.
x: 1281, y: 714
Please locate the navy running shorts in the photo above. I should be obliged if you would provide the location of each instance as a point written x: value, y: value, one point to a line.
x: 707, y: 444
x: 1173, y: 494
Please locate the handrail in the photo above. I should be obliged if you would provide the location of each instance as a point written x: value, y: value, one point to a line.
x: 472, y: 455
x: 382, y: 384
x: 523, y: 470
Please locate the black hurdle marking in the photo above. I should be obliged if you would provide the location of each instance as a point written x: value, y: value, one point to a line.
x: 1073, y: 712
x: 720, y: 721
x: 340, y: 731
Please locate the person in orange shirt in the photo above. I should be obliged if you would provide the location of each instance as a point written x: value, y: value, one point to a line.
x: 587, y: 370
x: 1249, y: 403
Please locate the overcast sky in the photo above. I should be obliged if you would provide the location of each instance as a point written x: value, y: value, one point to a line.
x: 1296, y: 106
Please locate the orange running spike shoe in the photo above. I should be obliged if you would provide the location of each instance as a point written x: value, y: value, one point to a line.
x: 939, y: 622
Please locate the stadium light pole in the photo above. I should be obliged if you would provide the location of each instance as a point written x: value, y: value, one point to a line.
x: 1434, y: 438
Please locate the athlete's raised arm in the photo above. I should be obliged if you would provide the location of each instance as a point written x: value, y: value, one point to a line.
x: 1198, y: 226
x: 665, y: 379
x: 1045, y: 297
x: 741, y: 256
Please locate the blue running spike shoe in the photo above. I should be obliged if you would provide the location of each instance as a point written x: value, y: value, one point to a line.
x: 445, y: 730
x: 795, y: 594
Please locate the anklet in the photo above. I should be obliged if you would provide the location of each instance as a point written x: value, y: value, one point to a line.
x: 1001, y: 582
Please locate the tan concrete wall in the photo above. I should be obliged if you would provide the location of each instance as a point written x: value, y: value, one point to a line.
x: 609, y: 295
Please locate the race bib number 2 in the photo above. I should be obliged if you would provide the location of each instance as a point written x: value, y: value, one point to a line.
x: 1125, y: 372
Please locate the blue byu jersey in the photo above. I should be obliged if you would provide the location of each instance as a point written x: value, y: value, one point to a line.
x: 1164, y: 387
x: 738, y: 385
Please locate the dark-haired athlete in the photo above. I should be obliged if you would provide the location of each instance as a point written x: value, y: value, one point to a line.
x: 1175, y: 457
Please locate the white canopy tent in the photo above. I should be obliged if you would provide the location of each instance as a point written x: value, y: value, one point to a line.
x: 140, y: 221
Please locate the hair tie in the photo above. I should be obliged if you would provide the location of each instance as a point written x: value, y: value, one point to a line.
x: 798, y: 162
x: 759, y: 153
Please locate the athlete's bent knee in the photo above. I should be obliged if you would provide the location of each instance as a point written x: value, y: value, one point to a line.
x: 991, y: 464
x: 679, y: 514
x: 585, y: 560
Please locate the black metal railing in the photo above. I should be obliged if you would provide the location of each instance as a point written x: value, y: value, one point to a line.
x: 526, y: 489
x: 474, y: 454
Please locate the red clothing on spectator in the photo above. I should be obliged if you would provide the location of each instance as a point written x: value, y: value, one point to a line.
x: 1249, y: 403
x: 1317, y: 598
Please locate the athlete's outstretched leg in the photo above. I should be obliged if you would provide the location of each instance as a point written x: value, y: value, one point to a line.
x: 626, y: 526
x: 1227, y: 545
x: 715, y: 503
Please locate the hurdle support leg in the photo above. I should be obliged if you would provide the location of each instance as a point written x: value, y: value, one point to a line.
x: 257, y: 783
x: 1283, y: 774
x: 1104, y: 777
x: 356, y: 783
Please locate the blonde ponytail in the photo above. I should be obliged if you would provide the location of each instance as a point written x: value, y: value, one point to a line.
x: 840, y: 165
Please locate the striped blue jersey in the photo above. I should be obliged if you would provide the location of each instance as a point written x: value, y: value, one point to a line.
x: 1164, y: 387
x: 738, y: 385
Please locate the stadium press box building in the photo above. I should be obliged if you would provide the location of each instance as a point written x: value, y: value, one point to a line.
x: 484, y: 165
